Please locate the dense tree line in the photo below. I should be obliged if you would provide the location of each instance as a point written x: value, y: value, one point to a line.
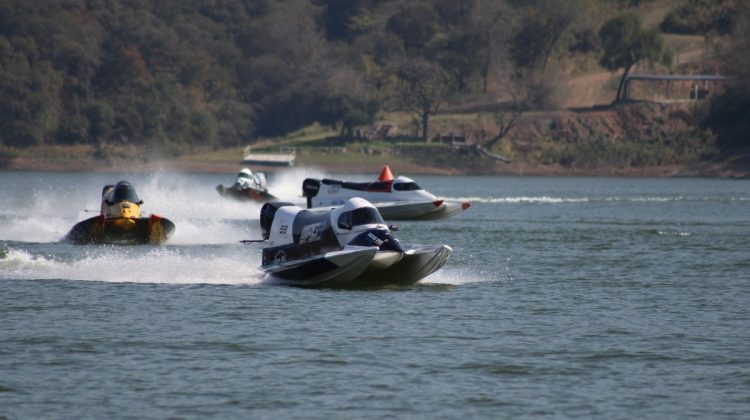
x: 729, y: 113
x: 216, y: 73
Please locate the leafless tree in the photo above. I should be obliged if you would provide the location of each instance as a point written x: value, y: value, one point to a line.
x: 507, y: 117
x: 422, y: 89
x: 492, y: 18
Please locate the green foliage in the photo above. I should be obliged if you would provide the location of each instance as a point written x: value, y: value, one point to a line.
x: 729, y: 112
x: 625, y: 43
x: 701, y: 17
x: 174, y: 74
x: 729, y: 117
x: 458, y: 53
x: 415, y: 23
x: 96, y: 72
x: 346, y: 19
x: 547, y: 25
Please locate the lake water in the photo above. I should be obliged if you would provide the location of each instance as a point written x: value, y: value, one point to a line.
x: 564, y: 298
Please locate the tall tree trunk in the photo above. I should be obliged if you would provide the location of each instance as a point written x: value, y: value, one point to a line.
x: 425, y: 124
x: 548, y: 52
x: 622, y: 82
x: 485, y: 66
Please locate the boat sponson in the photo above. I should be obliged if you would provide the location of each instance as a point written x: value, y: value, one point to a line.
x: 333, y: 269
x: 422, y: 210
x: 152, y: 230
x: 244, y: 194
x: 407, y: 210
x: 416, y: 264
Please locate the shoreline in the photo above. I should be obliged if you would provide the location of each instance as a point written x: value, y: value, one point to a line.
x: 72, y: 159
x: 735, y: 169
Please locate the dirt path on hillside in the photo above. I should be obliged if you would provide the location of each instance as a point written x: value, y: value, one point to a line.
x: 587, y: 91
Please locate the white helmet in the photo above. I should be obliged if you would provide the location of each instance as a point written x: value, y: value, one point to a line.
x: 245, y: 173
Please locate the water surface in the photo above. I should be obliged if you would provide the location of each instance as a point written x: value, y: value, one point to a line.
x: 565, y: 297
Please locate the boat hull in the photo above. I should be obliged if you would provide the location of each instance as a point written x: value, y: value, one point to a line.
x: 361, y: 268
x: 245, y: 194
x: 425, y: 210
x: 416, y: 263
x: 153, y: 230
x: 332, y: 269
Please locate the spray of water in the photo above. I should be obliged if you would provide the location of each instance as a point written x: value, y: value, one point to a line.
x: 142, y: 265
x: 204, y: 249
x: 45, y: 212
x: 456, y: 276
x: 287, y: 185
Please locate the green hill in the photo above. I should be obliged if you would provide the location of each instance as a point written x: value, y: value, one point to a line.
x: 117, y: 79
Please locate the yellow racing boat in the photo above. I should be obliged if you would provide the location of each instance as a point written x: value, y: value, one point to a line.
x: 120, y: 221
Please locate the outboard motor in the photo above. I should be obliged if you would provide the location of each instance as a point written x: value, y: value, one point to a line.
x: 267, y: 212
x: 310, y: 188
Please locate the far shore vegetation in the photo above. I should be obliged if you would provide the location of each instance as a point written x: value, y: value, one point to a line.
x: 473, y: 86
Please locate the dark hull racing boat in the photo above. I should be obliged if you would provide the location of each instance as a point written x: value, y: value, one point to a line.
x: 153, y: 230
x: 348, y: 246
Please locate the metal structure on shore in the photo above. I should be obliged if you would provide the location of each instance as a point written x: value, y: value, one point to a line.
x: 285, y: 157
x: 698, y: 90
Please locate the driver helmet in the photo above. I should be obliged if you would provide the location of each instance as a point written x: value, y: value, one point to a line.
x: 245, y: 173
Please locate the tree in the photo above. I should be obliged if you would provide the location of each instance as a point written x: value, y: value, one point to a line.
x: 459, y: 54
x: 423, y: 86
x: 505, y: 120
x: 625, y: 43
x: 345, y: 19
x: 491, y: 19
x: 415, y: 24
x: 693, y: 17
x: 545, y: 29
x: 729, y: 112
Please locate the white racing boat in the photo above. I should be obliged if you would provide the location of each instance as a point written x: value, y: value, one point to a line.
x: 248, y: 186
x: 395, y: 198
x: 346, y: 246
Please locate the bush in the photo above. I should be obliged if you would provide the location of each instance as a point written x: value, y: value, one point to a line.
x: 700, y: 17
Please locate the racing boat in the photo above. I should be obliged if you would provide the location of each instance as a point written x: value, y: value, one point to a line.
x: 395, y: 198
x: 120, y: 221
x: 347, y: 246
x: 247, y: 186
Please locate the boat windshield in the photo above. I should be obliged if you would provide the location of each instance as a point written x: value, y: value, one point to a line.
x: 361, y: 216
x: 123, y: 192
x: 406, y: 186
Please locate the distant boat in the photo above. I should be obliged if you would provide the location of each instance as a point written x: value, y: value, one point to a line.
x: 285, y: 157
x: 248, y: 186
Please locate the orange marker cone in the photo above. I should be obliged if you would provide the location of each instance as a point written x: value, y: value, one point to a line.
x: 385, y: 174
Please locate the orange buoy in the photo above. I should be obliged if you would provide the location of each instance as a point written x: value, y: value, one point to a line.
x: 385, y: 174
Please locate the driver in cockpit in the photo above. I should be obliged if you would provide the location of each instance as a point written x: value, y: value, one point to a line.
x: 244, y: 179
x: 120, y: 200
